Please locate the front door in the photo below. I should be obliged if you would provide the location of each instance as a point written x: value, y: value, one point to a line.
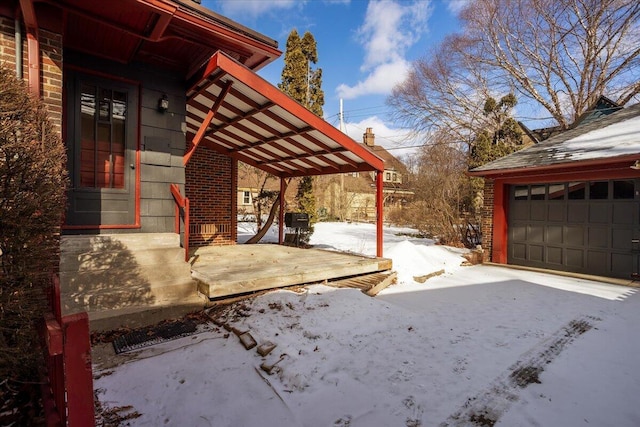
x: 102, y: 121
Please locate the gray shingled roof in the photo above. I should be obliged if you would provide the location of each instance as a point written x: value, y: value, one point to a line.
x: 614, y: 135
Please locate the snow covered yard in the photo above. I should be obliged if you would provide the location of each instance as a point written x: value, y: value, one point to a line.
x: 477, y: 345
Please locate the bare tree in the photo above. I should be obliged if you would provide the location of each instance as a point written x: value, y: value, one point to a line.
x: 264, y: 200
x: 560, y: 55
x: 443, y: 91
x: 437, y: 182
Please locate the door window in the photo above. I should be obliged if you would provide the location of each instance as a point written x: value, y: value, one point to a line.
x: 103, y: 124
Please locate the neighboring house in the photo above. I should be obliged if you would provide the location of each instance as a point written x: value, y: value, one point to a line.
x: 348, y: 196
x: 602, y: 107
x: 250, y: 181
x: 571, y: 202
x: 157, y: 101
x: 352, y: 196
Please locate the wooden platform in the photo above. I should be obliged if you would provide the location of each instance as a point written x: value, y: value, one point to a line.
x: 370, y: 284
x: 232, y: 270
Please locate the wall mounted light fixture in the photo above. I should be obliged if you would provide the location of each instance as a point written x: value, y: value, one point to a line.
x: 636, y: 165
x: 163, y: 103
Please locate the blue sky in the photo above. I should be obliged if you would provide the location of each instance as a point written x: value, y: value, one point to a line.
x: 364, y: 49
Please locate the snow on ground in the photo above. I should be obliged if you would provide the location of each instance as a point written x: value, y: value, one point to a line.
x: 473, y: 346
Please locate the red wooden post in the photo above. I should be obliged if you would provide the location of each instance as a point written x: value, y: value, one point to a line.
x: 379, y: 212
x: 77, y: 370
x: 187, y: 225
x: 499, y: 243
x: 283, y: 189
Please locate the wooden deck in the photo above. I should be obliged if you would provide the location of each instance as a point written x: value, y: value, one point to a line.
x: 231, y: 270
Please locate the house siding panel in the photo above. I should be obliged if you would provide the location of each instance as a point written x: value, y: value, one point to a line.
x: 162, y: 140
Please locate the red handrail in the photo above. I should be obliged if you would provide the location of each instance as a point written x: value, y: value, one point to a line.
x: 181, y: 203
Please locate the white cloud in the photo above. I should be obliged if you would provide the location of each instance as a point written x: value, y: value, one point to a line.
x: 380, y: 81
x: 399, y: 141
x: 255, y: 8
x: 390, y: 28
x: 455, y: 6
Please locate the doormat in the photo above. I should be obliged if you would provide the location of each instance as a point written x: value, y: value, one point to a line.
x: 152, y: 335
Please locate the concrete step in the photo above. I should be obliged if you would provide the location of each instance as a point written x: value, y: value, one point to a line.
x: 131, y: 241
x: 135, y: 317
x: 110, y: 272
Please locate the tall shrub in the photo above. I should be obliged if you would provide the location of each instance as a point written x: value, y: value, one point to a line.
x: 33, y: 182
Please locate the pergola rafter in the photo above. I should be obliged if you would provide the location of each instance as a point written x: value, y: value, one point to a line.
x: 252, y: 121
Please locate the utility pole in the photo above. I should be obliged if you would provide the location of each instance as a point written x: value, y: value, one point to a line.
x: 341, y: 116
x: 342, y: 199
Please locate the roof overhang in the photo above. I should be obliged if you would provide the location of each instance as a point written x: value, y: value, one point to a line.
x: 613, y: 167
x: 178, y: 35
x: 233, y: 111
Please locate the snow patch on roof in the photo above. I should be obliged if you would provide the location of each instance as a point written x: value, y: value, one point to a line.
x: 608, y: 137
x: 617, y: 139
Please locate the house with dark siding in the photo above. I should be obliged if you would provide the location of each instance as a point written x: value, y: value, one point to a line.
x: 157, y: 101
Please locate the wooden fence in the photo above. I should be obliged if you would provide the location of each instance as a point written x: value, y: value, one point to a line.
x: 68, y: 390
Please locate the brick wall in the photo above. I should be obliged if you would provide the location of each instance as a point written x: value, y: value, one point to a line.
x: 211, y: 189
x: 51, y: 75
x: 50, y: 65
x: 7, y: 43
x: 487, y: 220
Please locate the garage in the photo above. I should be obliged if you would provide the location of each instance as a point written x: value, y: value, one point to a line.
x: 587, y: 227
x: 569, y: 203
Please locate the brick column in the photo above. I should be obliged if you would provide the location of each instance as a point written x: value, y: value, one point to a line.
x: 210, y: 188
x: 487, y: 220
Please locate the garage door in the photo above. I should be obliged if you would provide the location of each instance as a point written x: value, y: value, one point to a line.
x: 584, y: 227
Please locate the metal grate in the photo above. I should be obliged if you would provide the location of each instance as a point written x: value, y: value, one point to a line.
x: 152, y: 335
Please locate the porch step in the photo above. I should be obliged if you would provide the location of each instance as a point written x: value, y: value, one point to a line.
x: 370, y: 284
x: 108, y: 273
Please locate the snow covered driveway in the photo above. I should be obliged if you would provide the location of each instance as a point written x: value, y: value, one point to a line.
x: 476, y: 346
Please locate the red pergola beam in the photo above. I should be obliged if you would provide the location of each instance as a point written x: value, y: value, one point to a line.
x: 206, y: 122
x: 219, y: 61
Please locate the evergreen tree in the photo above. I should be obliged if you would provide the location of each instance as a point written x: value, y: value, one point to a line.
x: 299, y: 80
x: 304, y: 84
x: 501, y: 136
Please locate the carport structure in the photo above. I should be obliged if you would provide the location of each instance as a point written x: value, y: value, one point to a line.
x: 233, y: 111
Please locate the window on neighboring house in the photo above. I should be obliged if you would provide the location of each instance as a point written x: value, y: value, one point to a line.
x: 387, y: 176
x: 395, y: 177
x: 103, y: 117
x: 246, y: 197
